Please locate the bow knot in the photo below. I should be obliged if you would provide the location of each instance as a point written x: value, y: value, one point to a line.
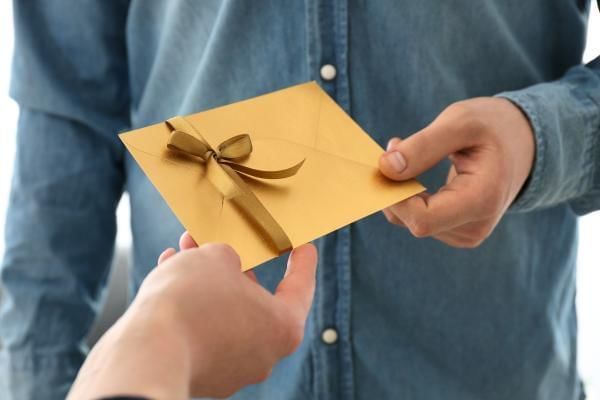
x: 228, y: 155
x: 235, y: 148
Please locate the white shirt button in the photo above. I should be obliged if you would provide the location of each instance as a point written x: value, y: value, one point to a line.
x: 328, y: 72
x: 329, y: 336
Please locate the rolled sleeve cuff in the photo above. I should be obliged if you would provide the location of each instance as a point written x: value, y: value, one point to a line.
x: 565, y: 120
x: 538, y: 180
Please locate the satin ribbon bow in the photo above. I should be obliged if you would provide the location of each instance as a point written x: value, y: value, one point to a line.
x: 223, y: 169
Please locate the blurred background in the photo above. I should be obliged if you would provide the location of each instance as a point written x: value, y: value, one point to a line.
x: 588, y: 298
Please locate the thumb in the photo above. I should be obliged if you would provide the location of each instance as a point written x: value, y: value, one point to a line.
x: 405, y: 159
x: 297, y: 288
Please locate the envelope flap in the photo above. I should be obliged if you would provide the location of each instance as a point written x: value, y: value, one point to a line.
x: 328, y: 193
x: 292, y: 115
x: 340, y: 135
x: 338, y: 183
x: 274, y: 154
x: 180, y: 181
x: 151, y: 139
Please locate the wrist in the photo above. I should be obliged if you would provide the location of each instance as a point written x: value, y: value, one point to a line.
x: 152, y: 337
x: 166, y: 313
x: 140, y: 355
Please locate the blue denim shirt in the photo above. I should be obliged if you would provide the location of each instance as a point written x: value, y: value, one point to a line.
x: 415, y: 319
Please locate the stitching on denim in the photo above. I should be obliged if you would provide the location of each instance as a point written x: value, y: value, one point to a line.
x: 534, y: 187
x: 590, y: 115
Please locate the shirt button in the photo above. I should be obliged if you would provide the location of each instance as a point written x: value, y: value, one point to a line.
x: 328, y: 72
x: 329, y: 336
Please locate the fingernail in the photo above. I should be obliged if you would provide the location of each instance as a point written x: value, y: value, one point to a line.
x: 288, y: 267
x: 397, y: 161
x: 392, y: 143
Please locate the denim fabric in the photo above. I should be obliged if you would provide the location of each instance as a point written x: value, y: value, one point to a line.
x: 415, y: 319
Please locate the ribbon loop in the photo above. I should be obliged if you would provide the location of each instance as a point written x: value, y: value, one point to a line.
x: 236, y: 148
x: 185, y: 142
x: 185, y: 138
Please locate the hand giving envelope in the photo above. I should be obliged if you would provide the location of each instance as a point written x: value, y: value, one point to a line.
x: 266, y: 174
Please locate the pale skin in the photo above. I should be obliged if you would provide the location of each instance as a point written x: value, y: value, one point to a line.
x: 491, y: 145
x: 191, y: 311
x: 199, y: 327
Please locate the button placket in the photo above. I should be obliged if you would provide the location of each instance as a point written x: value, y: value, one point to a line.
x: 331, y: 351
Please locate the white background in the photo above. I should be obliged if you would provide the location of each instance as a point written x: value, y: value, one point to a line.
x: 589, y: 265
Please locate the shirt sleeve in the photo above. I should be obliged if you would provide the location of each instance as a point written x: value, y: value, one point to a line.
x: 70, y: 60
x: 70, y: 79
x: 565, y: 116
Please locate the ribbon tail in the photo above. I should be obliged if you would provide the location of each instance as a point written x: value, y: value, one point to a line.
x: 264, y: 174
x: 257, y: 213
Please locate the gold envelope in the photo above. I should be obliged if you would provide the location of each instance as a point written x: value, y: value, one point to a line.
x: 338, y: 183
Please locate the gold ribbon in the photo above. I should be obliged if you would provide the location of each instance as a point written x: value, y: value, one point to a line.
x: 223, y: 169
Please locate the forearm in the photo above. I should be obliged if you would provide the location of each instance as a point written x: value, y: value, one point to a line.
x: 140, y: 355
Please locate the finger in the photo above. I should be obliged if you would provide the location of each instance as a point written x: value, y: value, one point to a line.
x: 393, y: 142
x: 460, y: 240
x: 451, y: 173
x: 456, y: 204
x: 421, y: 151
x: 222, y: 255
x: 450, y: 239
x: 166, y: 254
x: 473, y: 234
x: 297, y: 288
x: 392, y: 219
x: 186, y: 241
x: 252, y: 276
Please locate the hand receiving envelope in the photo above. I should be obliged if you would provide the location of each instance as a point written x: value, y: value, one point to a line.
x: 266, y: 174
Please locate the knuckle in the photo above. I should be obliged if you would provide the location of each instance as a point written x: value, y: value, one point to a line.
x: 223, y: 252
x: 391, y: 218
x: 476, y: 237
x: 470, y: 120
x: 475, y: 126
x: 481, y: 233
x: 421, y: 228
x: 463, y: 110
x: 471, y: 243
